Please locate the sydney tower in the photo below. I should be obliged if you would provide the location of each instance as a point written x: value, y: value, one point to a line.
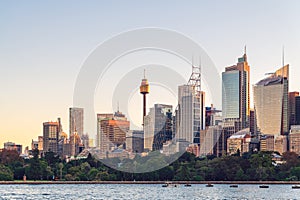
x: 144, y: 89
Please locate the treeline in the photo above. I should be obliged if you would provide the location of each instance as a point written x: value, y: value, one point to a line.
x: 250, y: 166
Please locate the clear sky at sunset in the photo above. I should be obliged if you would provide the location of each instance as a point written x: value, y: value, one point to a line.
x: 43, y: 45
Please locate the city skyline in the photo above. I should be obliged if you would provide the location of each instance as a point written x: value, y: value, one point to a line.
x: 38, y: 60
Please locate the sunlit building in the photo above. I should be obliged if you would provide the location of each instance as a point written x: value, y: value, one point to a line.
x: 236, y: 93
x: 271, y: 103
x: 239, y: 142
x: 51, y: 136
x: 13, y: 146
x: 111, y: 130
x: 267, y: 143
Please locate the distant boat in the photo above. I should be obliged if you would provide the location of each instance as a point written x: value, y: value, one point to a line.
x: 169, y: 184
x: 209, y: 185
x: 234, y: 186
x: 187, y: 185
x: 296, y: 187
x: 263, y: 186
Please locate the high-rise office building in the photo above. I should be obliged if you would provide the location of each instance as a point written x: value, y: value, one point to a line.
x: 191, y: 114
x: 252, y: 124
x: 158, y: 127
x: 292, y: 107
x: 111, y: 130
x: 297, y: 110
x: 235, y: 93
x: 51, y: 136
x: 76, y: 121
x: 271, y: 103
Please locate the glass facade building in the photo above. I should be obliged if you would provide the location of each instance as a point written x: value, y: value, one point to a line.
x: 235, y: 93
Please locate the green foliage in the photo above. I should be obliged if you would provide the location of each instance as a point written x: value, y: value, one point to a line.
x: 249, y: 166
x: 5, y: 173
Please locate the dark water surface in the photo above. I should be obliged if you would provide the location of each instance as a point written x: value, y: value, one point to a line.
x: 144, y: 191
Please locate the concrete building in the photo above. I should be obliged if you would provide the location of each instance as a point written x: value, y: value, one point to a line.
x: 209, y: 140
x: 111, y: 130
x: 267, y: 143
x: 190, y: 118
x: 252, y: 124
x: 292, y: 107
x: 13, y: 146
x: 239, y: 141
x: 135, y: 141
x: 76, y: 121
x: 271, y: 103
x: 294, y: 139
x: 158, y: 127
x: 281, y: 144
x: 236, y: 93
x: 297, y: 110
x: 51, y: 136
x: 194, y: 149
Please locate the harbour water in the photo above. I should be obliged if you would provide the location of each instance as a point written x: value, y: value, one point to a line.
x: 146, y: 191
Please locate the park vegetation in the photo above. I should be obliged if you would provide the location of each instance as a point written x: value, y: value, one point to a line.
x: 247, y: 167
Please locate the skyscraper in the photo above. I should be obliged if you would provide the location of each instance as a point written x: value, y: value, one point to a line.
x: 111, y: 130
x: 50, y: 136
x: 76, y: 121
x: 297, y: 110
x: 292, y: 107
x: 235, y: 93
x: 158, y: 127
x: 271, y: 103
x: 191, y: 114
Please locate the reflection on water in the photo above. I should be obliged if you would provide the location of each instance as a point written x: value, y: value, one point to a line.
x: 123, y: 191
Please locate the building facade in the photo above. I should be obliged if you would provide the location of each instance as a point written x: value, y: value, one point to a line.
x: 190, y: 118
x: 235, y: 93
x: 271, y: 104
x: 158, y: 127
x: 111, y: 130
x: 292, y: 107
x: 76, y: 121
x: 297, y: 110
x: 50, y: 136
x: 209, y: 140
x: 294, y: 139
x: 239, y: 142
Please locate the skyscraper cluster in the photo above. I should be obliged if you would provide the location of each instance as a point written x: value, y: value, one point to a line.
x: 272, y: 124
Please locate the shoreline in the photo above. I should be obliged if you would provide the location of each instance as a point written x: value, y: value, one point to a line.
x: 150, y: 182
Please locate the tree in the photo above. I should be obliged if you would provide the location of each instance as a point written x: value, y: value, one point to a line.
x: 9, y: 156
x: 34, y: 171
x: 5, y: 173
